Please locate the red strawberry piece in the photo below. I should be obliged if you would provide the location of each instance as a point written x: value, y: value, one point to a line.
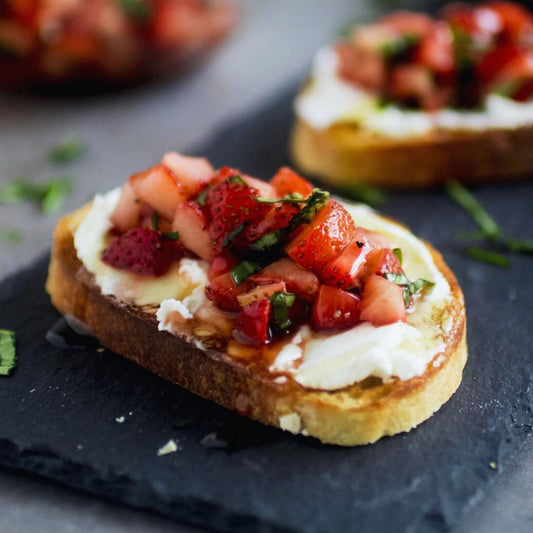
x: 382, y: 302
x: 334, y: 309
x: 344, y: 270
x: 301, y: 282
x: 279, y: 217
x: 286, y: 181
x: 192, y: 173
x: 251, y: 326
x: 261, y: 292
x: 141, y: 251
x: 223, y: 292
x: 381, y: 261
x: 321, y: 241
x: 191, y: 224
x: 231, y: 208
x: 127, y: 212
x: 221, y: 264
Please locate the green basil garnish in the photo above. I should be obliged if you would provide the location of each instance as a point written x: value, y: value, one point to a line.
x: 155, y: 220
x: 172, y: 235
x: 398, y: 47
x: 294, y: 198
x: 281, y: 301
x: 67, y: 150
x: 398, y: 253
x: 244, y: 270
x: 409, y: 288
x: 488, y: 256
x: 232, y: 235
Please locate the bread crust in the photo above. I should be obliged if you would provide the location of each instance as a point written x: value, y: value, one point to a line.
x: 345, y: 154
x: 359, y: 414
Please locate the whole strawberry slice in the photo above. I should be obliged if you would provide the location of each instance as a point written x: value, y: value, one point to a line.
x: 231, y: 208
x: 141, y: 251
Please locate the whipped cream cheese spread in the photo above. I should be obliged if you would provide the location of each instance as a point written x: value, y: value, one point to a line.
x: 328, y: 99
x: 327, y: 362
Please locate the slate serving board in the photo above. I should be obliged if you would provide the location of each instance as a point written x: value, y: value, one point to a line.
x: 60, y: 407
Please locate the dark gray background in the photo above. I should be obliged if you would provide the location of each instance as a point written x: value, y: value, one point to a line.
x: 128, y: 131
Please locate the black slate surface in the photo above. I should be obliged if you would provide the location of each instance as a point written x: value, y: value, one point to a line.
x: 59, y: 408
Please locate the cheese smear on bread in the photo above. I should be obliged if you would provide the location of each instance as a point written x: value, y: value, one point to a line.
x: 329, y: 100
x: 327, y: 362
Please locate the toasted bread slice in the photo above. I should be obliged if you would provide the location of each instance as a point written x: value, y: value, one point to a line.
x: 345, y: 154
x: 358, y: 414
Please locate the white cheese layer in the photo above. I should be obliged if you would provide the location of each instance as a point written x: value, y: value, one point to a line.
x: 326, y: 362
x: 328, y: 100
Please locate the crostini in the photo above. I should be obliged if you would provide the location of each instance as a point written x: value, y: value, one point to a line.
x: 273, y: 299
x: 413, y: 101
x: 119, y: 41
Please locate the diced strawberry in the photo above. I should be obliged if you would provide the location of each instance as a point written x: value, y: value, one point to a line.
x: 517, y: 21
x: 127, y: 211
x: 381, y: 261
x: 496, y: 61
x: 222, y: 263
x: 344, y: 270
x: 251, y: 325
x: 192, y: 173
x: 436, y: 49
x: 317, y: 243
x: 382, y: 302
x: 191, y: 224
x: 223, y: 292
x: 261, y: 292
x: 334, y: 309
x: 141, y: 251
x: 157, y: 187
x: 279, y: 217
x: 301, y: 282
x: 364, y: 66
x: 408, y: 22
x: 375, y: 239
x: 266, y: 190
x: 224, y: 173
x: 230, y: 206
x: 286, y: 181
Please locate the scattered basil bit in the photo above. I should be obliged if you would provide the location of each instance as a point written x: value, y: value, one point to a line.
x: 67, y: 150
x: 267, y: 241
x: 49, y: 195
x: 172, y: 235
x: 244, y: 270
x: 369, y: 194
x: 294, y: 198
x: 136, y: 9
x: 398, y: 47
x: 398, y: 253
x: 232, y: 235
x: 10, y: 236
x: 8, y: 355
x: 281, y: 301
x: 520, y: 246
x: 488, y: 256
x: 155, y: 220
x: 409, y: 288
x: 470, y: 204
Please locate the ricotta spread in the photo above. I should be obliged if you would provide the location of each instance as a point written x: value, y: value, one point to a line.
x: 326, y: 362
x: 328, y: 100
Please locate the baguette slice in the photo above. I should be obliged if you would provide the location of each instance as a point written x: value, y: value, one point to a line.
x: 359, y: 414
x: 345, y: 154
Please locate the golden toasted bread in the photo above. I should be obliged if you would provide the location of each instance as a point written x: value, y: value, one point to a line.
x: 358, y: 414
x: 345, y: 154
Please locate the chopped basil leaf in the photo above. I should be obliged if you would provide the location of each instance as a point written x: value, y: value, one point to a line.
x: 294, y: 198
x: 201, y: 198
x: 398, y: 253
x: 266, y: 242
x: 469, y: 203
x: 50, y: 195
x: 236, y: 179
x: 232, y: 235
x: 8, y: 355
x: 244, y: 270
x: 67, y: 150
x: 316, y: 201
x: 369, y: 194
x: 396, y: 48
x: 10, y: 236
x: 136, y: 9
x: 281, y: 302
x: 172, y: 235
x: 488, y: 256
x: 409, y: 288
x: 155, y: 220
